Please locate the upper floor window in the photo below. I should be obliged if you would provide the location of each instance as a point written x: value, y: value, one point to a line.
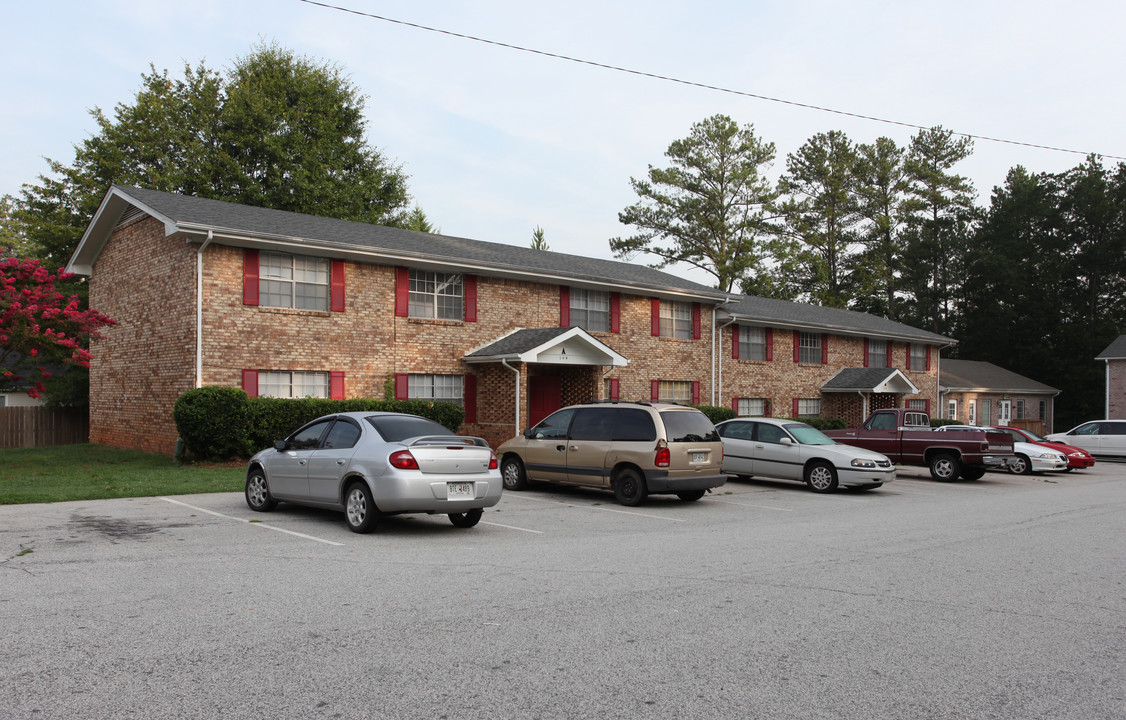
x: 590, y: 310
x: 878, y: 354
x: 272, y: 383
x: 676, y: 319
x: 809, y: 348
x: 447, y: 388
x: 437, y: 295
x: 293, y: 281
x: 752, y: 343
x: 918, y: 359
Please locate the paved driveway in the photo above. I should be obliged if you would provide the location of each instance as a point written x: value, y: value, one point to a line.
x: 1002, y: 598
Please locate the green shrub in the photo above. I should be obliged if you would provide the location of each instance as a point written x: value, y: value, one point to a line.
x: 716, y: 413
x: 821, y: 423
x: 213, y: 422
x: 939, y: 422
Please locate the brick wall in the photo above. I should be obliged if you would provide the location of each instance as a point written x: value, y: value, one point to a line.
x: 1116, y: 388
x: 1033, y: 419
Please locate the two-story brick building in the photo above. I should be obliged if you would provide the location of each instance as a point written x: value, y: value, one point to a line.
x: 284, y: 304
x: 1115, y: 358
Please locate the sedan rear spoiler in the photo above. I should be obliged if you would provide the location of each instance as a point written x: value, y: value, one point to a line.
x: 448, y: 440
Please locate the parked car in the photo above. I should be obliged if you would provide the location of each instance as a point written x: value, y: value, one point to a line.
x: 373, y: 464
x: 792, y: 450
x: 635, y: 449
x: 1026, y: 458
x: 1098, y: 437
x: 1077, y: 457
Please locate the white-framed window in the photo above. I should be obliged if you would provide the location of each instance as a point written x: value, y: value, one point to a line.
x: 1043, y: 409
x: 973, y: 413
x: 676, y: 319
x: 752, y: 343
x: 877, y: 353
x: 952, y: 410
x: 810, y: 407
x: 284, y: 384
x: 437, y: 295
x: 293, y: 281
x: 1021, y: 410
x: 675, y: 391
x: 590, y: 310
x: 918, y: 356
x: 447, y: 388
x: 809, y: 346
x: 986, y: 412
x: 752, y: 407
x: 917, y: 405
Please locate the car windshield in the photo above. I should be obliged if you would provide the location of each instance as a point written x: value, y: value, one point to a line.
x: 809, y: 435
x: 689, y: 426
x: 1034, y: 436
x: 396, y: 428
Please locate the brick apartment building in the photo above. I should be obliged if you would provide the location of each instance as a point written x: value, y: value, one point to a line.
x: 1115, y: 358
x: 206, y: 292
x: 981, y: 393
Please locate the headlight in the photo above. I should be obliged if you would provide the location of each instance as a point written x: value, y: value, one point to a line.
x: 863, y: 463
x: 1048, y: 456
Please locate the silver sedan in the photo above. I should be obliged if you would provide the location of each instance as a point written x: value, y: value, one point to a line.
x: 372, y: 464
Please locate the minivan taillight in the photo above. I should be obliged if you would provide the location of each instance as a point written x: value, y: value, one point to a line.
x: 403, y: 460
x: 664, y: 457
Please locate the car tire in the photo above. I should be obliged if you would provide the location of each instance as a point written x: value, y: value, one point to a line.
x: 512, y: 474
x: 359, y: 508
x: 1020, y: 465
x: 691, y: 495
x: 467, y: 519
x: 1068, y: 469
x: 973, y: 473
x: 821, y: 477
x: 258, y: 492
x: 945, y: 467
x: 629, y: 488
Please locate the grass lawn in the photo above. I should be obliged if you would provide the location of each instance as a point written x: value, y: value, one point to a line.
x: 90, y: 472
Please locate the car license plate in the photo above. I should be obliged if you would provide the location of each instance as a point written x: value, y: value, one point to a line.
x: 459, y: 490
x: 699, y: 457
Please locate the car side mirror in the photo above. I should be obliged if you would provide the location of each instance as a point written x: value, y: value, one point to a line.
x: 280, y: 445
x: 786, y: 441
x: 528, y: 434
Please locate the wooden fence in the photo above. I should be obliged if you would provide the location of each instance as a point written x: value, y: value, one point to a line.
x: 22, y: 427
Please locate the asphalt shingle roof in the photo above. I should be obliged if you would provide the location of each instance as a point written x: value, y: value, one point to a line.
x: 519, y: 342
x: 1115, y: 351
x: 783, y: 313
x: 302, y: 229
x: 976, y: 374
x: 853, y: 378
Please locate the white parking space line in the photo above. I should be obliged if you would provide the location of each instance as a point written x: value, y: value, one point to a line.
x: 764, y: 507
x: 512, y: 527
x: 596, y: 507
x: 256, y: 524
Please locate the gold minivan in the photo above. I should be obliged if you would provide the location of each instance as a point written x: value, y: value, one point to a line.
x: 635, y: 449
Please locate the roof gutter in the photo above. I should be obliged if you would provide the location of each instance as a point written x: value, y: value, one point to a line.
x: 199, y: 311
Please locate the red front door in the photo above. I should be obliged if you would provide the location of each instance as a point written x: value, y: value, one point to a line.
x: 545, y: 396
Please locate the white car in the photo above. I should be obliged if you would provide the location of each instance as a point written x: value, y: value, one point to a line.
x: 1027, y: 457
x: 792, y: 450
x: 1098, y: 437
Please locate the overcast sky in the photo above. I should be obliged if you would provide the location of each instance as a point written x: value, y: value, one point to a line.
x: 498, y: 141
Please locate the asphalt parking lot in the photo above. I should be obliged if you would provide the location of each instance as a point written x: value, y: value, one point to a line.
x: 1001, y: 598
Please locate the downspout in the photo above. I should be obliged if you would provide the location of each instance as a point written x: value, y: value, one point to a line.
x: 715, y: 330
x: 505, y: 363
x: 1106, y: 402
x: 199, y: 311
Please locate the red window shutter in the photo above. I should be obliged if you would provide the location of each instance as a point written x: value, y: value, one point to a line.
x: 615, y: 391
x: 655, y: 391
x: 655, y: 330
x: 795, y: 413
x: 865, y: 352
x: 769, y: 409
x: 470, y: 298
x: 250, y: 382
x: 336, y: 385
x: 615, y: 312
x: 564, y: 306
x: 470, y: 398
x: 695, y: 321
x: 824, y: 348
x: 928, y: 360
x: 695, y: 392
x: 928, y: 406
x: 735, y: 405
x: 734, y: 342
x: 337, y: 303
x: 797, y: 346
x: 770, y: 344
x: 402, y: 292
x: 401, y: 386
x: 249, y: 277
x: 891, y: 354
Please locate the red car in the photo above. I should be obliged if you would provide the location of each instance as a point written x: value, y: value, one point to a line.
x: 1076, y: 457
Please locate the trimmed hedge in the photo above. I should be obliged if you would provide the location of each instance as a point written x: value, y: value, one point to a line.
x: 220, y: 423
x: 716, y: 413
x: 821, y: 423
x: 939, y: 422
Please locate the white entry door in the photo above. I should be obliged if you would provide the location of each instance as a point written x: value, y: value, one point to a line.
x: 1004, y: 412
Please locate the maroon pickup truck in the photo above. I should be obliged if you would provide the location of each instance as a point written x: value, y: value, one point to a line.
x: 906, y: 438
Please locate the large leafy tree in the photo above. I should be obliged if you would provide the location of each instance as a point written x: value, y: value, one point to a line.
x: 711, y: 208
x: 939, y: 215
x: 822, y: 212
x: 278, y: 130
